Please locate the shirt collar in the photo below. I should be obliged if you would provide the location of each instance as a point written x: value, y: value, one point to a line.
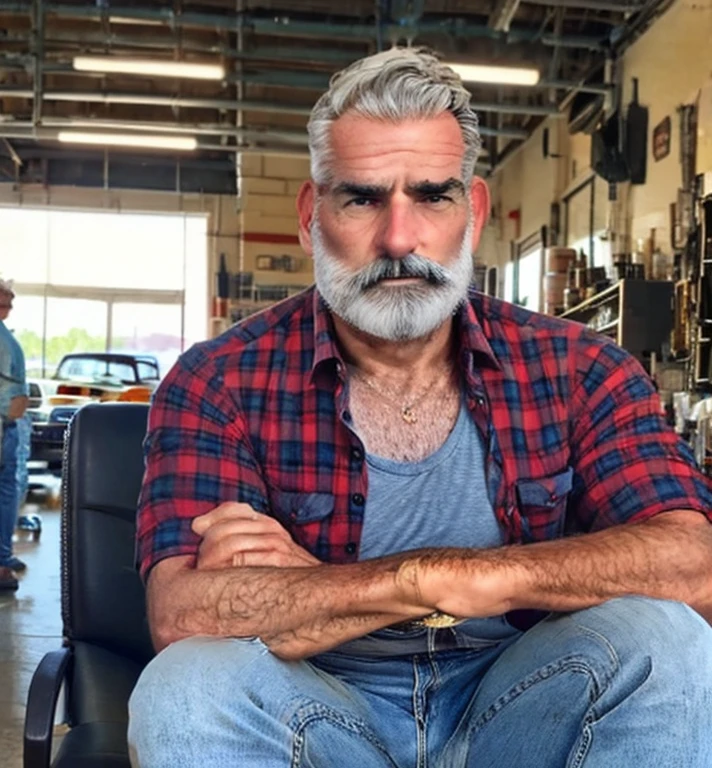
x: 473, y: 343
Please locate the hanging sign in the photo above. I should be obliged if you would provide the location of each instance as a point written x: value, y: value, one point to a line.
x: 661, y: 139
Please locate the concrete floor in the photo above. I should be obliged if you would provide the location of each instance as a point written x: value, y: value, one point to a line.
x: 30, y: 623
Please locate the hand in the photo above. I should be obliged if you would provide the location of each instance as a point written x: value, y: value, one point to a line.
x: 235, y: 535
x: 18, y: 406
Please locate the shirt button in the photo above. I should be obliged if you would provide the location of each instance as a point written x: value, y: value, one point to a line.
x: 356, y: 453
x: 358, y: 499
x: 480, y: 400
x: 350, y: 548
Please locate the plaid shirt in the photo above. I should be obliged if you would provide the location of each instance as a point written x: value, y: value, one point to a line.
x: 574, y: 436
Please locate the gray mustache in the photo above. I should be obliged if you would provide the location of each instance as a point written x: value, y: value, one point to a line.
x: 385, y: 268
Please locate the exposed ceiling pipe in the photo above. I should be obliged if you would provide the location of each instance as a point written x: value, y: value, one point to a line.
x: 502, y: 15
x: 313, y: 55
x: 287, y: 26
x: 592, y: 5
x: 246, y: 105
x: 27, y: 132
x: 214, y: 129
x: 285, y: 78
x: 195, y: 129
x: 157, y: 101
x: 38, y: 23
x: 13, y: 154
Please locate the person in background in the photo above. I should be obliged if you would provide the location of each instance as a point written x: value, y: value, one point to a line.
x: 13, y: 404
x: 394, y: 522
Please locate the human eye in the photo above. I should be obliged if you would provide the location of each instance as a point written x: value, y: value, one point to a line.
x: 437, y: 200
x: 361, y: 201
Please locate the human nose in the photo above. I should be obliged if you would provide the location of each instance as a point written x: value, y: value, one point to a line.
x: 399, y: 233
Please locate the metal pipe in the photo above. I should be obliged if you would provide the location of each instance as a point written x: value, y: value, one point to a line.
x: 18, y: 130
x: 38, y: 55
x: 501, y: 16
x: 287, y: 79
x: 246, y: 105
x: 591, y: 5
x: 158, y: 101
x: 11, y: 151
x: 286, y: 26
x: 105, y: 39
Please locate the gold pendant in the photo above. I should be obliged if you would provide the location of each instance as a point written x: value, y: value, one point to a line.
x: 408, y: 414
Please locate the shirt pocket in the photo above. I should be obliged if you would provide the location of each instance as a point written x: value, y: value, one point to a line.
x: 306, y: 516
x: 542, y: 505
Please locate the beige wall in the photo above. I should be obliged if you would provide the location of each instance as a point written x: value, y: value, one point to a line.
x: 672, y: 61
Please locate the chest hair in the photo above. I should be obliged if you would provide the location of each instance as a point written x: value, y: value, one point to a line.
x: 383, y: 431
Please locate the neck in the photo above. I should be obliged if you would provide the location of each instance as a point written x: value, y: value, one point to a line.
x: 377, y: 357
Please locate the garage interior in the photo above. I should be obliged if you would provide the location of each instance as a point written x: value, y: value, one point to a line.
x: 600, y: 173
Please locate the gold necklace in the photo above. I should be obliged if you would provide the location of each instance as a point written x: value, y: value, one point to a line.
x: 407, y: 409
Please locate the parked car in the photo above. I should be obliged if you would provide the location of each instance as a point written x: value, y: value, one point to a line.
x: 82, y: 378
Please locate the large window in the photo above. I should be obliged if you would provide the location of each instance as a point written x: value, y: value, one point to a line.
x: 95, y: 282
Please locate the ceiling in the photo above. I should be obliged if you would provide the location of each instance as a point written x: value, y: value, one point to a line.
x: 278, y: 55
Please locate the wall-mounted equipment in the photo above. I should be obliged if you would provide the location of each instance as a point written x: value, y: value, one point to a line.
x: 636, y: 138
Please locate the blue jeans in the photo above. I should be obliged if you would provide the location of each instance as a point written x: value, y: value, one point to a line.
x: 8, y: 491
x: 24, y: 432
x: 627, y: 683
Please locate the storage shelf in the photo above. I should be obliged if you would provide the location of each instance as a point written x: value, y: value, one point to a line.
x: 641, y: 324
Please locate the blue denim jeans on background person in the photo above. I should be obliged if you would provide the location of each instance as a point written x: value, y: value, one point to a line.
x: 627, y: 684
x: 24, y: 433
x: 8, y: 491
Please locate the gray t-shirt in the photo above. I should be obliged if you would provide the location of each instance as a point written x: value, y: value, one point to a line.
x: 441, y: 501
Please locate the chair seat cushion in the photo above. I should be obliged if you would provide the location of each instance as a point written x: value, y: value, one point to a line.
x: 94, y: 745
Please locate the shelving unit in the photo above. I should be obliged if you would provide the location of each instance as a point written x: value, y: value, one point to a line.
x: 636, y: 314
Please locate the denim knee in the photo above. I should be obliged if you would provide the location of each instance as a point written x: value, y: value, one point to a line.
x: 675, y: 639
x: 185, y: 683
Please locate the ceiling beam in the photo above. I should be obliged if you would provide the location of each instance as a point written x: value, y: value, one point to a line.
x: 626, y: 6
x: 285, y: 78
x: 288, y: 26
x: 150, y: 99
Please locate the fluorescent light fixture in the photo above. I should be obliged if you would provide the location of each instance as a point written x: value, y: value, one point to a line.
x: 182, y: 143
x: 476, y: 73
x: 149, y: 67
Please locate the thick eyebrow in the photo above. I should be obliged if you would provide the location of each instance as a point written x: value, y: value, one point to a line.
x: 427, y: 188
x: 354, y: 189
x: 418, y: 188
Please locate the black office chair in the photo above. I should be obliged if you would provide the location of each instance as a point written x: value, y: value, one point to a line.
x: 106, y: 638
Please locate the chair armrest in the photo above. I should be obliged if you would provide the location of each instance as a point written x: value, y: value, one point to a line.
x: 41, y: 706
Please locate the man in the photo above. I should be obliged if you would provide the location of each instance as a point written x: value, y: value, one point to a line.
x: 337, y: 491
x: 13, y: 403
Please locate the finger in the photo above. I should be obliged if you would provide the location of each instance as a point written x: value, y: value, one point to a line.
x: 261, y: 526
x: 243, y: 549
x: 219, y: 552
x: 273, y: 559
x: 225, y: 511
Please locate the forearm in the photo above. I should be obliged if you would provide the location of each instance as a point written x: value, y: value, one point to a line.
x: 667, y: 557
x: 316, y: 607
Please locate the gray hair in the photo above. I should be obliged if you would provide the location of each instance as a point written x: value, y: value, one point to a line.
x: 398, y: 84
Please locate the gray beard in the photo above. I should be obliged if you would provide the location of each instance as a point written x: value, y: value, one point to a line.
x: 389, y: 312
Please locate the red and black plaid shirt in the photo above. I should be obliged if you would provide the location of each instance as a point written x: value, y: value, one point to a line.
x: 574, y: 436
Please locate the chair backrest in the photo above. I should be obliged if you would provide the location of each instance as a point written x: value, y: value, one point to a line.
x: 102, y: 595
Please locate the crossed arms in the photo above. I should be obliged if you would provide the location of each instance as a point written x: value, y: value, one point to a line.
x: 251, y: 579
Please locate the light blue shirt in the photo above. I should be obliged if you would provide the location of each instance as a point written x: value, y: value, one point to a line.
x: 12, y: 370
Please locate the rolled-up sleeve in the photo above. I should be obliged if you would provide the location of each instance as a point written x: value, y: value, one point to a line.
x: 197, y: 457
x: 629, y: 464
